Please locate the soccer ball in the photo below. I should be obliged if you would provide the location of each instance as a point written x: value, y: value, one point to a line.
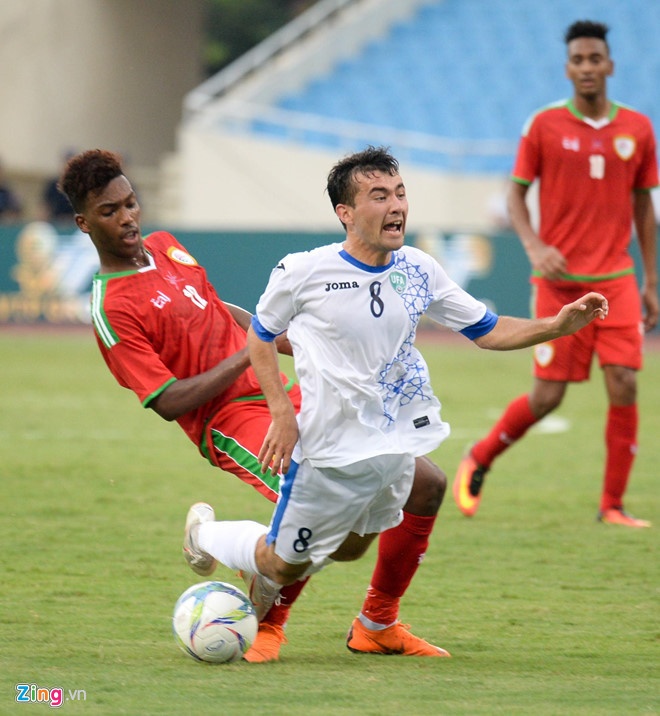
x: 214, y: 621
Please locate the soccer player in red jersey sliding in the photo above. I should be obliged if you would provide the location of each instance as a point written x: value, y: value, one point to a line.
x: 596, y: 163
x: 165, y: 334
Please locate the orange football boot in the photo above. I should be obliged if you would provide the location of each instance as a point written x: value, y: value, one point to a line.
x: 468, y: 484
x: 617, y: 516
x: 266, y: 646
x: 395, y: 639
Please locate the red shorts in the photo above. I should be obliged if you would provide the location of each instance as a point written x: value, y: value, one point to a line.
x: 616, y: 341
x: 234, y: 436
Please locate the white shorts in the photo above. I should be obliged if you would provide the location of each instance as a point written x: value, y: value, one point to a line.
x: 319, y: 506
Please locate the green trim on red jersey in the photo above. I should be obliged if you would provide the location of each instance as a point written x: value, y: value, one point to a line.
x: 570, y: 106
x: 101, y: 324
x: 524, y: 182
x: 242, y: 457
x: 156, y: 393
x: 588, y: 278
x: 614, y: 108
x: 99, y: 319
x: 553, y: 105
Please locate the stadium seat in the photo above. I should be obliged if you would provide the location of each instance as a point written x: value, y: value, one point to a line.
x: 474, y: 70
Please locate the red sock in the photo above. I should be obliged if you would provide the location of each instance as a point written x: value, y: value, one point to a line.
x: 279, y: 612
x: 400, y: 552
x: 621, y: 444
x: 512, y: 425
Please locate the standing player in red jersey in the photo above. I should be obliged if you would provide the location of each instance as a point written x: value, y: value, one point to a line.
x: 596, y: 162
x: 165, y: 334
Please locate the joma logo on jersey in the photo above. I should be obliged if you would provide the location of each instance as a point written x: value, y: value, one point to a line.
x: 341, y: 285
x: 398, y: 281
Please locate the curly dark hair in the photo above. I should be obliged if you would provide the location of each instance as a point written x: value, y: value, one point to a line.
x: 587, y: 28
x: 341, y: 186
x: 88, y: 172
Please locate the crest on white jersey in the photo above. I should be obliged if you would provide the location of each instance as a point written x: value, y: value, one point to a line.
x: 398, y: 281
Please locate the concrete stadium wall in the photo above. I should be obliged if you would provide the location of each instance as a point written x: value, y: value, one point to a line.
x: 93, y: 73
x: 235, y: 180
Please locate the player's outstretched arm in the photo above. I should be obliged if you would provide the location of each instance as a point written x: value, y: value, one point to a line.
x: 512, y: 333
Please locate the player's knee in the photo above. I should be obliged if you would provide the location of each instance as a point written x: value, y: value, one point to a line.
x: 541, y: 408
x: 428, y: 490
x: 274, y: 567
x: 284, y: 573
x: 545, y: 398
x: 621, y: 385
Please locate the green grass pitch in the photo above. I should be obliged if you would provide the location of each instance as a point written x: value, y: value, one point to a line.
x: 545, y: 611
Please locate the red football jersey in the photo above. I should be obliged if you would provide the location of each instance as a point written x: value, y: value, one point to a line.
x: 587, y: 174
x: 165, y: 322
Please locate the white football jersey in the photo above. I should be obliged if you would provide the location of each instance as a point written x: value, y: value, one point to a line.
x: 366, y: 389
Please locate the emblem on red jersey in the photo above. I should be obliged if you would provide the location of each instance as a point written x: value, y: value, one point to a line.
x: 544, y: 353
x: 174, y: 280
x: 181, y: 256
x: 624, y: 146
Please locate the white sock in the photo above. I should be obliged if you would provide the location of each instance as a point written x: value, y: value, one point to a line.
x: 374, y: 626
x: 232, y: 543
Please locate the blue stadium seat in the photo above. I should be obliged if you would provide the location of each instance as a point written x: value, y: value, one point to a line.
x: 476, y: 69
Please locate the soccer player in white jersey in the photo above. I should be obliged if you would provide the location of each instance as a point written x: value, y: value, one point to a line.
x: 351, y: 310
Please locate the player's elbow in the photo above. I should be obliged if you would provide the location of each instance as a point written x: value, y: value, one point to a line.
x: 170, y: 417
x: 164, y: 408
x: 486, y: 342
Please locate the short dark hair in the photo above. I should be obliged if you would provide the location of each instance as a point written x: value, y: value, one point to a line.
x: 587, y: 28
x: 88, y: 172
x: 341, y: 185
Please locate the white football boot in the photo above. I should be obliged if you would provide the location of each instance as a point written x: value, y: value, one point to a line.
x: 199, y: 561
